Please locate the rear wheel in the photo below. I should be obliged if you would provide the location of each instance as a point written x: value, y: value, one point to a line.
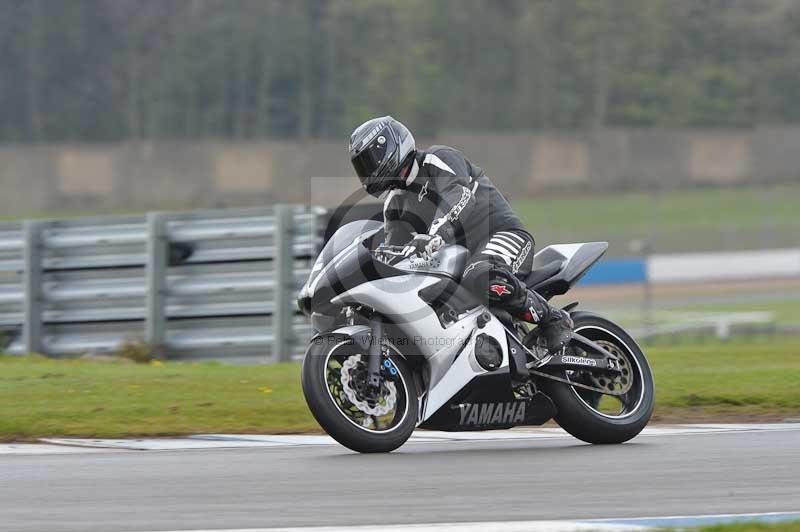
x: 596, y: 417
x: 334, y: 384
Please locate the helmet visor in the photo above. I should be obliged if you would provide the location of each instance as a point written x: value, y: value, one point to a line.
x: 374, y: 156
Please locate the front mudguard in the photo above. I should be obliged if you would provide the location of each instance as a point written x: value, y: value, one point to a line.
x: 361, y: 335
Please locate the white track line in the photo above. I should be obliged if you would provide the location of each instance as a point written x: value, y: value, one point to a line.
x: 703, y: 520
x: 598, y: 525
x: 38, y: 448
x: 512, y: 526
x: 162, y: 444
x: 228, y: 441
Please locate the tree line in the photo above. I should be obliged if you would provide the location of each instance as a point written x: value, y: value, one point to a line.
x: 95, y: 70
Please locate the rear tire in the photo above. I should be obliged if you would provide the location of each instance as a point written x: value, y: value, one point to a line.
x: 331, y: 415
x: 578, y: 411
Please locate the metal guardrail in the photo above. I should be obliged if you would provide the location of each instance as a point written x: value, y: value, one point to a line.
x: 213, y: 284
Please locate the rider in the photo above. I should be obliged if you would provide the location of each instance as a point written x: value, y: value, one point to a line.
x: 438, y: 197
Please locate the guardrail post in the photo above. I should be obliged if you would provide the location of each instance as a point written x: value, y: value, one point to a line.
x: 283, y: 314
x: 32, y: 328
x: 156, y: 272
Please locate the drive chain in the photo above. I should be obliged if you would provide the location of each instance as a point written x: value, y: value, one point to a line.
x: 575, y: 384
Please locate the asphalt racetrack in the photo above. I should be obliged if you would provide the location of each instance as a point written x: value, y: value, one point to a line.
x: 469, y: 481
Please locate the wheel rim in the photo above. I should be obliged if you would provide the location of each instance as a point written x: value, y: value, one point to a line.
x: 609, y: 406
x: 345, y: 394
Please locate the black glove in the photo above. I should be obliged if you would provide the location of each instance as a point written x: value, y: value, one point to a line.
x: 424, y: 245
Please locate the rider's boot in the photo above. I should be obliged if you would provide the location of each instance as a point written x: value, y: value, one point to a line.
x: 556, y: 325
x: 510, y: 293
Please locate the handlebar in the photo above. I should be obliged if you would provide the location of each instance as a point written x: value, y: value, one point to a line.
x: 389, y: 254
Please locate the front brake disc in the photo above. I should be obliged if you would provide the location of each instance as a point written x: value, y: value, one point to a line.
x: 378, y: 410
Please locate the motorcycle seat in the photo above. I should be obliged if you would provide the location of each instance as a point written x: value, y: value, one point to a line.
x: 542, y: 274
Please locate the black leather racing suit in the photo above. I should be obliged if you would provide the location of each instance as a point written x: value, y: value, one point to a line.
x: 447, y: 195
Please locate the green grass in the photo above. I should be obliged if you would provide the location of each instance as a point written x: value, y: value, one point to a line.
x: 707, y: 218
x: 784, y: 312
x: 788, y: 526
x: 43, y: 397
x: 727, y: 380
x: 79, y: 398
x: 784, y: 315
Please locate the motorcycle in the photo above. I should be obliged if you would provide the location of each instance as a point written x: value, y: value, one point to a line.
x: 401, y: 345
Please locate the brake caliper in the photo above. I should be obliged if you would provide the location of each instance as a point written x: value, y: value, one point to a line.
x: 389, y: 371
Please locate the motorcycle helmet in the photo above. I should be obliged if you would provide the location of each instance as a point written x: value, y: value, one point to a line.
x: 381, y: 150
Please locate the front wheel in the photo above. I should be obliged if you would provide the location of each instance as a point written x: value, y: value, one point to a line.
x: 334, y: 382
x: 599, y: 418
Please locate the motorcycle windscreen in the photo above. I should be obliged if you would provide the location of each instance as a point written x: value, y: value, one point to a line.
x: 354, y: 267
x: 341, y: 239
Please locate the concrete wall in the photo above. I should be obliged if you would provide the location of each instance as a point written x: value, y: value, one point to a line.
x: 175, y: 174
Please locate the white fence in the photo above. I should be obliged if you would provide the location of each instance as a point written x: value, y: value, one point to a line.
x: 724, y: 266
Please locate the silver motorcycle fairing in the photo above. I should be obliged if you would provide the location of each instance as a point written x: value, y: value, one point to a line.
x: 455, y: 375
x: 449, y: 351
x: 397, y: 299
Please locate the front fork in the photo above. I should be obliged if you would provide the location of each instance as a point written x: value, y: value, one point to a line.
x: 379, y: 367
x: 374, y: 356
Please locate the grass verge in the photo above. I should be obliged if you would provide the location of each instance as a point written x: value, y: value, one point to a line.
x: 701, y: 219
x: 788, y: 526
x: 43, y: 397
x: 727, y: 381
x: 785, y: 312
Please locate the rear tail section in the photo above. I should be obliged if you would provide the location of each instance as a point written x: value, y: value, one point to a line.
x: 574, y: 259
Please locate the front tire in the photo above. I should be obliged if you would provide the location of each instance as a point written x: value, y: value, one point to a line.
x: 332, y: 405
x: 581, y: 412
